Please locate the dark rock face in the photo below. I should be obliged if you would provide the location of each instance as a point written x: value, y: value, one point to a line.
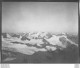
x: 17, y: 42
x: 15, y: 35
x: 45, y: 41
x: 63, y: 40
x: 49, y: 35
x: 73, y: 38
x: 25, y: 38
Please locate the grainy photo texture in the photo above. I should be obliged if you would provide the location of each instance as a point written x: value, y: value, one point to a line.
x: 40, y: 32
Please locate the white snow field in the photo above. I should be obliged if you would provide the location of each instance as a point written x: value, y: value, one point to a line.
x: 39, y: 42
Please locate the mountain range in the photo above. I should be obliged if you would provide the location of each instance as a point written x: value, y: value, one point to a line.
x: 31, y: 43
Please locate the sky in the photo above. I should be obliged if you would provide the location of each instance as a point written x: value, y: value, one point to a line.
x: 40, y: 16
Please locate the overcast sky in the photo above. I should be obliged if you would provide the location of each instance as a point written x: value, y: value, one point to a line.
x: 40, y: 16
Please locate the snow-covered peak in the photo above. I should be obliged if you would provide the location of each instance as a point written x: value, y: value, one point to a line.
x: 41, y: 39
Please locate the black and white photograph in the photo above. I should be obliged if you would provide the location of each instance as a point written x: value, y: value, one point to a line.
x: 40, y: 32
